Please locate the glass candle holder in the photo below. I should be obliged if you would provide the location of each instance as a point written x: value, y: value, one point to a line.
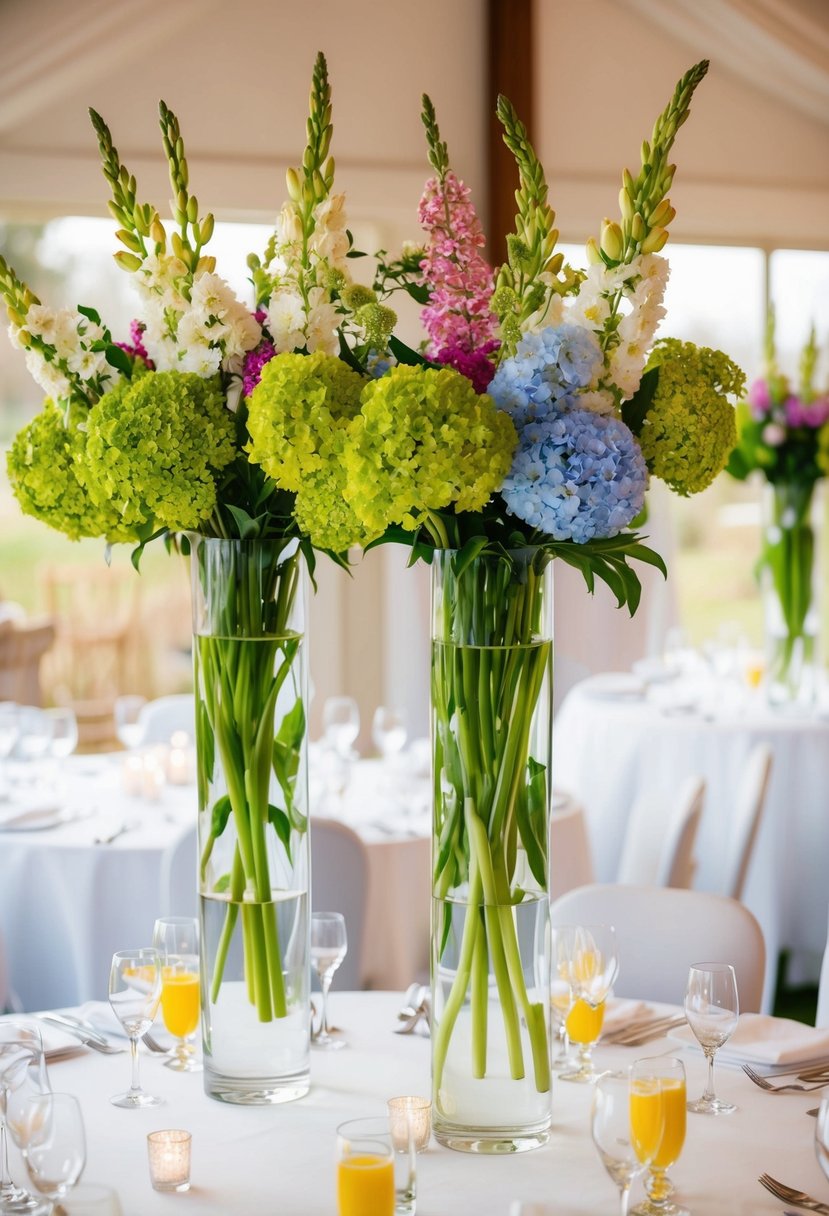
x: 410, y: 1120
x: 169, y: 1153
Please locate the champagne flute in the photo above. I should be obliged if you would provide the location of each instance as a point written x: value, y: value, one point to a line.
x: 328, y: 948
x: 176, y: 938
x: 21, y: 1060
x: 712, y: 1008
x: 669, y: 1074
x: 55, y: 1145
x: 624, y: 1153
x: 128, y: 725
x: 134, y: 994
x: 593, y: 968
x: 822, y: 1136
x: 341, y: 724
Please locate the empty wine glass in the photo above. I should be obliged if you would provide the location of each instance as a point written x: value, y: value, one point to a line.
x: 134, y: 994
x: 34, y: 738
x: 64, y: 737
x: 593, y: 964
x: 55, y: 1144
x: 822, y: 1136
x: 712, y: 1008
x: 176, y: 938
x: 9, y: 732
x: 21, y: 1061
x: 388, y: 731
x: 615, y: 1127
x: 128, y: 724
x: 341, y: 724
x: 328, y: 948
x: 561, y: 993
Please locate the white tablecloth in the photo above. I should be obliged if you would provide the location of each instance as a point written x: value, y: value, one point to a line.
x: 609, y: 749
x: 256, y: 1161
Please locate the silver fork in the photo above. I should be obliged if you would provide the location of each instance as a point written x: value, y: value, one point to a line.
x: 788, y: 1194
x: 782, y: 1089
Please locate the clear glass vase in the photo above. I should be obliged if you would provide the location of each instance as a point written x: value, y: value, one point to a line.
x: 789, y: 567
x: 491, y: 722
x: 249, y: 604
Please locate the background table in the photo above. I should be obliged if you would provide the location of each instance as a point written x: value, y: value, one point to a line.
x: 256, y: 1161
x: 609, y: 749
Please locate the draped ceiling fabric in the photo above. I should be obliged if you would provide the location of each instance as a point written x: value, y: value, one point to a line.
x: 779, y: 46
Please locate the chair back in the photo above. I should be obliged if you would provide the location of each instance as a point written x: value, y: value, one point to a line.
x: 662, y: 931
x: 179, y: 865
x: 748, y: 811
x: 339, y: 870
x: 164, y: 716
x: 658, y: 848
x: 822, y: 1017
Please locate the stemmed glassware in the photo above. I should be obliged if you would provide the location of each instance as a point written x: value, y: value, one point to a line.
x: 593, y: 966
x: 134, y: 994
x: 176, y: 938
x: 64, y: 737
x: 712, y: 1008
x: 328, y: 949
x: 21, y: 1063
x: 53, y: 1142
x: 668, y: 1074
x: 340, y: 724
x: 9, y: 732
x: 561, y: 993
x: 388, y: 731
x: 128, y: 725
x: 35, y: 736
x: 626, y: 1141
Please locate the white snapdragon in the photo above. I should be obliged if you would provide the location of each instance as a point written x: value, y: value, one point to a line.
x: 286, y: 320
x: 41, y: 322
x: 50, y: 378
x: 87, y: 363
x: 321, y: 327
x: 203, y: 361
x: 244, y: 333
x: 195, y: 329
x: 288, y: 226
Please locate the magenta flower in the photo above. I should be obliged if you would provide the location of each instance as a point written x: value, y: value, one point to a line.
x: 806, y: 413
x: 253, y: 363
x: 137, y: 348
x: 759, y: 398
x: 474, y: 364
x: 458, y: 317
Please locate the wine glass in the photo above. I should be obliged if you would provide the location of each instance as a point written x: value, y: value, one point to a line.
x: 712, y: 1008
x: 176, y: 938
x: 64, y: 737
x: 328, y: 947
x: 341, y: 724
x: 35, y: 736
x: 21, y: 1061
x: 615, y: 1127
x: 55, y: 1144
x: 388, y: 731
x: 134, y: 994
x: 561, y: 993
x: 9, y: 732
x: 669, y: 1073
x: 593, y: 967
x: 128, y: 724
x: 822, y: 1136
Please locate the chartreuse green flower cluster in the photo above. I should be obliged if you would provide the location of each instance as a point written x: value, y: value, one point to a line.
x: 43, y: 464
x: 424, y: 440
x: 689, y: 429
x: 153, y: 447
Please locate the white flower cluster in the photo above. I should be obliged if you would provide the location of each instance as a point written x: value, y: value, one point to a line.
x: 212, y: 329
x: 642, y: 285
x: 64, y: 351
x: 309, y: 319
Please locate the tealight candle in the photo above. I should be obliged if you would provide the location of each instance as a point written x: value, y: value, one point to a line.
x: 169, y: 1153
x: 410, y: 1116
x: 133, y: 774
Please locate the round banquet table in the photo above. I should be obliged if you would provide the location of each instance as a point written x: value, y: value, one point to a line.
x: 609, y: 746
x: 256, y: 1161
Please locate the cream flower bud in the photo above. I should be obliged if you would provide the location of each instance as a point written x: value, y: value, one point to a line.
x: 612, y: 240
x: 655, y: 240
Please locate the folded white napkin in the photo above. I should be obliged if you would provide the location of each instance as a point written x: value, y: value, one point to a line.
x: 761, y: 1039
x: 615, y: 685
x: 29, y: 817
x: 56, y: 1042
x: 100, y: 1015
x: 517, y: 1208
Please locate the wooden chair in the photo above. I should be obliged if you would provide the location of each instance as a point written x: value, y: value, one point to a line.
x: 22, y: 646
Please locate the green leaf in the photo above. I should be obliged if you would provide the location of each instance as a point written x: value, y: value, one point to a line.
x: 248, y: 528
x: 286, y: 757
x: 119, y: 359
x: 222, y: 884
x: 90, y: 313
x: 405, y: 354
x: 220, y: 815
x: 468, y: 553
x: 206, y: 750
x: 635, y: 410
x: 282, y: 825
x: 418, y: 292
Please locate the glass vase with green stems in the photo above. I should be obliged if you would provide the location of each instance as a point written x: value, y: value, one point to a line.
x: 491, y: 737
x: 249, y: 603
x: 789, y: 564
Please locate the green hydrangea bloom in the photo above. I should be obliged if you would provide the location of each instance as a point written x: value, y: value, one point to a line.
x: 320, y: 507
x: 424, y: 440
x: 43, y: 464
x: 292, y: 412
x: 689, y: 429
x: 153, y: 447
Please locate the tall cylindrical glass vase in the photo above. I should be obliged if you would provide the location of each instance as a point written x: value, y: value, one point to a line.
x: 249, y: 605
x: 791, y: 592
x: 491, y: 736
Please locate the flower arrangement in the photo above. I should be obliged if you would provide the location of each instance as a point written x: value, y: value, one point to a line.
x: 783, y: 434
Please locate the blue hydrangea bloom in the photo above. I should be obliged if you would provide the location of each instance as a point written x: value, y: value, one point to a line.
x: 576, y: 476
x: 377, y: 366
x: 545, y: 373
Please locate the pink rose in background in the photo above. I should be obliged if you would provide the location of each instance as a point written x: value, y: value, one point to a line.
x: 759, y: 398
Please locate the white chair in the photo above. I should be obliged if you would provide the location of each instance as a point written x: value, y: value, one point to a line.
x: 748, y: 811
x: 163, y: 717
x: 661, y: 932
x: 339, y: 883
x: 178, y: 879
x: 822, y: 1017
x: 658, y: 848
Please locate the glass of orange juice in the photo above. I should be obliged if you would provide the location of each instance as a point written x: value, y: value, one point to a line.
x: 593, y: 966
x: 657, y: 1116
x: 176, y: 938
x: 624, y: 1154
x: 373, y: 1179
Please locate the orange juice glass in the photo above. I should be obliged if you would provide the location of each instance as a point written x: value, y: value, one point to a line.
x: 372, y: 1178
x: 650, y: 1110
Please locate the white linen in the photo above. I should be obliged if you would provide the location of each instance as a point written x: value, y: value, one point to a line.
x: 761, y: 1039
x: 607, y: 752
x: 255, y: 1161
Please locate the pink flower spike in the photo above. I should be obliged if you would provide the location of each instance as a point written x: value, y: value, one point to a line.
x: 759, y: 398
